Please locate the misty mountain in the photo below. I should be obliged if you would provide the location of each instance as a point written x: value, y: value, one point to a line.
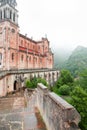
x: 60, y: 57
x: 77, y: 61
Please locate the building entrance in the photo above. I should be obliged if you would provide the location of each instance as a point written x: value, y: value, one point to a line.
x: 15, y: 85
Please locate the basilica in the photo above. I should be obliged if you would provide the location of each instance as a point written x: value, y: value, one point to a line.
x: 17, y: 51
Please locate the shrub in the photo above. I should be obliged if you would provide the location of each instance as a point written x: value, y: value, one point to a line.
x: 28, y: 84
x: 64, y: 90
x: 55, y: 90
x: 33, y: 82
x: 43, y: 81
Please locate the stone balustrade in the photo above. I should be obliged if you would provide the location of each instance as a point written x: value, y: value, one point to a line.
x: 56, y: 112
x: 23, y: 71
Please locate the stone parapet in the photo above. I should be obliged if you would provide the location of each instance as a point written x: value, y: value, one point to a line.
x: 19, y: 71
x: 56, y: 112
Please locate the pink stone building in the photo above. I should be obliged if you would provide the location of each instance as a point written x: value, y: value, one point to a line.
x: 17, y: 51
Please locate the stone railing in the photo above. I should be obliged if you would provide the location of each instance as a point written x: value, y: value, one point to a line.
x: 56, y: 112
x: 23, y: 71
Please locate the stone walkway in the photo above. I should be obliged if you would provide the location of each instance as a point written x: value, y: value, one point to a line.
x: 21, y: 118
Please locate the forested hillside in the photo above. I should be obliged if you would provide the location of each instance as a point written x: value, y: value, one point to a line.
x: 77, y: 62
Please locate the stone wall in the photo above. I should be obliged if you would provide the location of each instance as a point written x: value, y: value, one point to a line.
x: 56, y: 112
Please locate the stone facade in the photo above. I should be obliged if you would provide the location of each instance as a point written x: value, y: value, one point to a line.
x: 56, y: 112
x: 17, y: 51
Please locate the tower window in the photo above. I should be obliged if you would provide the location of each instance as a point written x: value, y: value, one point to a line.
x: 4, y: 14
x: 14, y: 17
x: 0, y: 14
x: 10, y: 14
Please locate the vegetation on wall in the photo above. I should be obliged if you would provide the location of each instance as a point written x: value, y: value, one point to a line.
x: 32, y: 83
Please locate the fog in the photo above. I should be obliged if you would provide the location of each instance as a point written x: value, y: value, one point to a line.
x: 63, y: 22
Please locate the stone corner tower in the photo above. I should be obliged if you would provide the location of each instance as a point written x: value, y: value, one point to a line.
x: 8, y: 34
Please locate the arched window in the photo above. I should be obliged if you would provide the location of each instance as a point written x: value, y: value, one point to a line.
x: 26, y: 58
x: 10, y: 14
x: 4, y: 13
x: 33, y: 46
x: 21, y: 42
x: 14, y: 17
x: 12, y: 56
x: 30, y: 58
x: 22, y: 57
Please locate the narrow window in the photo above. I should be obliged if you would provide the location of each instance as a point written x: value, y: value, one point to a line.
x: 26, y: 58
x: 12, y: 56
x: 30, y: 58
x: 14, y: 17
x: 0, y: 58
x: 0, y: 14
x: 4, y: 14
x: 33, y: 46
x: 10, y: 14
x: 22, y: 57
x: 21, y: 42
x: 36, y: 59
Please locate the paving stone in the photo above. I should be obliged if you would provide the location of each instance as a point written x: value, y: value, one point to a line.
x: 14, y: 117
x: 16, y: 126
x: 5, y: 127
x: 27, y: 118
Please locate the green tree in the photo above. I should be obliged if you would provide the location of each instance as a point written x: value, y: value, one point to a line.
x: 79, y: 101
x: 34, y: 82
x: 65, y: 78
x: 64, y: 90
x: 83, y: 79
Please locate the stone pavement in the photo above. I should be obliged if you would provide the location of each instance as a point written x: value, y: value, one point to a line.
x: 20, y: 117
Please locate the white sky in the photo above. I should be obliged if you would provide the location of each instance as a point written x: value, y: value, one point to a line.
x: 64, y: 21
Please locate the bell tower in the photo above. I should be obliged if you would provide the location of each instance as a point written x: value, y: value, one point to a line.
x: 8, y: 11
x: 9, y: 33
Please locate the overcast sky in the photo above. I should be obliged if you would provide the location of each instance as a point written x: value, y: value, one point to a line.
x: 63, y: 21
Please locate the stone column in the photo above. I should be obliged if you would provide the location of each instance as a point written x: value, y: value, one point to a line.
x: 3, y: 14
x: 8, y: 13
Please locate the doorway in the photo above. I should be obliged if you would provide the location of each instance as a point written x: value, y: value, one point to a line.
x: 15, y: 85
